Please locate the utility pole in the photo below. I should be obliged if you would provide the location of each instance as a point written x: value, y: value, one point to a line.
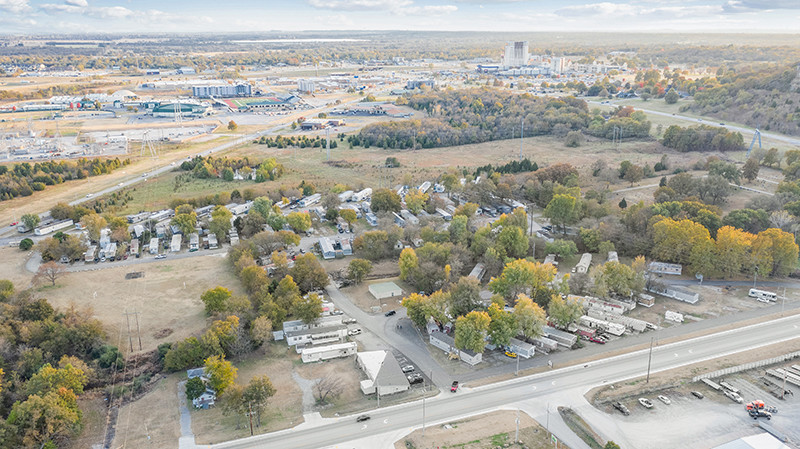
x: 250, y: 414
x: 130, y: 338
x: 423, y: 417
x: 649, y: 359
x: 516, y: 373
x: 138, y: 334
x: 521, y: 135
x: 783, y: 302
x: 516, y: 435
x: 328, y: 141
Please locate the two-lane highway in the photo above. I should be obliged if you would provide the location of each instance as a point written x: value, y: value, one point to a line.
x: 584, y: 377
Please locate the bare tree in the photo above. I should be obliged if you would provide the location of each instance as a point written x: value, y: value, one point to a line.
x: 328, y: 387
x: 50, y: 271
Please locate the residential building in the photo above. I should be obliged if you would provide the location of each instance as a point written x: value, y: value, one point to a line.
x: 665, y: 268
x: 326, y: 248
x: 446, y: 343
x: 316, y: 336
x: 223, y: 90
x: 521, y: 348
x: 478, y: 272
x: 384, y: 375
x: 584, y: 264
x: 318, y: 353
x: 516, y: 54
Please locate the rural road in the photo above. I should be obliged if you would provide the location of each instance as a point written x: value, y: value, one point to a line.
x: 445, y: 407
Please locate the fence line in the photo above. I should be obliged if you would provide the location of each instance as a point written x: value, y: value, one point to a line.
x: 747, y: 366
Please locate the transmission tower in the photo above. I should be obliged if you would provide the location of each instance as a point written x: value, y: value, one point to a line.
x: 178, y: 113
x: 147, y: 146
x: 328, y: 141
x: 756, y: 135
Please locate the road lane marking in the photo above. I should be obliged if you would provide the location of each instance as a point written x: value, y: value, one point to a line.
x: 364, y: 427
x: 676, y: 354
x: 690, y: 351
x: 534, y: 387
x: 386, y: 421
x: 554, y: 382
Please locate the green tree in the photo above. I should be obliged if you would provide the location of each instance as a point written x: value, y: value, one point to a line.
x: 308, y: 308
x: 49, y: 379
x: 358, y: 269
x: 6, y: 290
x: 287, y: 293
x: 30, y: 220
x: 503, y: 326
x: 565, y: 312
x: 227, y: 174
x: 299, y: 221
x: 750, y: 170
x: 262, y: 206
x: 194, y: 388
x: 26, y: 244
x: 385, y: 200
x: 416, y: 308
x: 220, y: 222
x: 465, y: 295
x: 671, y: 97
x: 513, y: 242
x: 522, y: 276
x: 216, y: 299
x: 562, y: 210
x: 459, y: 232
x: 611, y: 445
x: 471, y: 331
x: 530, y: 317
x: 561, y: 248
x: 257, y: 394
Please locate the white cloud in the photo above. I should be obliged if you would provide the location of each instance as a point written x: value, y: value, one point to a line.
x: 15, y: 6
x: 81, y: 3
x: 357, y: 5
x: 617, y: 10
x: 430, y: 9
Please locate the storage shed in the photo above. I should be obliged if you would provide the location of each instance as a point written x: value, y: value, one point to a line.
x: 385, y: 290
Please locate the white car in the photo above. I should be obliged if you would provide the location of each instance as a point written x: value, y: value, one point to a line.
x: 88, y: 195
x: 664, y: 399
x: 646, y: 403
x: 161, y: 256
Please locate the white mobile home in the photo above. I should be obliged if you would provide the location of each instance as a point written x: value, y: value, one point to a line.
x: 154, y: 245
x: 584, y: 264
x: 194, y: 242
x: 326, y: 247
x: 53, y: 227
x: 134, y: 247
x: 88, y: 256
x: 318, y: 353
x: 522, y: 348
x: 362, y: 195
x: 175, y: 245
x: 317, y: 336
x: 309, y: 200
x: 212, y: 241
x: 345, y: 196
x: 371, y: 219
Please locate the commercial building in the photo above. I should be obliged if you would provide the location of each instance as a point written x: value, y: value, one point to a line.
x: 282, y: 103
x: 306, y: 86
x: 385, y: 290
x: 223, y: 91
x: 384, y: 375
x: 516, y: 54
x: 416, y: 84
x: 186, y: 108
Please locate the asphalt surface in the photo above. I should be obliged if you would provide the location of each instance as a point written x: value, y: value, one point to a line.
x: 579, y: 377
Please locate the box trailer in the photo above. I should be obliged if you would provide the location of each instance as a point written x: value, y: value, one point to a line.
x: 212, y: 241
x: 88, y: 256
x: 134, y: 248
x: 194, y: 242
x: 111, y: 251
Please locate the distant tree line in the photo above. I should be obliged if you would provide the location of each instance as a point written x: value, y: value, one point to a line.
x: 210, y: 167
x: 24, y: 178
x: 295, y: 141
x: 702, y: 138
x: 524, y: 165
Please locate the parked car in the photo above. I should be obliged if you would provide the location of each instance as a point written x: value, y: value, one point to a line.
x: 161, y: 256
x: 454, y: 387
x: 513, y: 355
x: 664, y: 399
x: 390, y: 313
x: 621, y: 407
x: 646, y: 403
x: 408, y: 368
x: 362, y: 418
x: 354, y: 332
x: 415, y: 379
x: 349, y: 321
x: 697, y: 394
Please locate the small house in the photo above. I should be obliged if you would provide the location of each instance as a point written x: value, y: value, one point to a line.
x: 205, y: 400
x: 523, y: 349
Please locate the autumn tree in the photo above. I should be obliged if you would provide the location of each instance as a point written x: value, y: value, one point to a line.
x: 774, y: 252
x: 464, y: 296
x: 634, y: 174
x: 530, y: 317
x: 186, y: 222
x: 385, y: 200
x: 358, y: 269
x: 261, y: 330
x: 732, y: 251
x: 232, y: 126
x: 522, y: 276
x: 416, y: 308
x: 565, y: 312
x: 49, y: 271
x: 308, y: 273
x: 195, y: 387
x: 415, y: 200
x: 503, y: 326
x: 221, y: 373
x: 30, y: 220
x: 299, y: 221
x: 471, y: 331
x: 408, y: 263
x: 308, y: 308
x: 93, y: 223
x: 615, y: 277
x: 220, y: 222
x: 216, y: 299
x: 673, y: 240
x: 348, y: 215
x: 287, y: 293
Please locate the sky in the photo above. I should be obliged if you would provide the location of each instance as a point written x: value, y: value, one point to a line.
x: 152, y: 16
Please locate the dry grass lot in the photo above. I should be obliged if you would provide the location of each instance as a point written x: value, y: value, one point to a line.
x: 13, y: 267
x: 365, y: 301
x: 93, y: 408
x: 284, y: 409
x: 153, y: 420
x: 167, y: 297
x: 349, y: 376
x: 478, y: 432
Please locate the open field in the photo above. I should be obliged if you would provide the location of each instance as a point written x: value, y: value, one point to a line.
x: 490, y: 430
x: 13, y: 267
x: 93, y: 420
x: 284, y: 410
x: 153, y: 420
x: 365, y: 301
x: 167, y: 297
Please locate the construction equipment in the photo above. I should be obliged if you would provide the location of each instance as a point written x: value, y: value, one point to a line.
x: 756, y: 135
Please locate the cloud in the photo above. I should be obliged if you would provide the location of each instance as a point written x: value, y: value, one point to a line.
x: 617, y: 10
x: 15, y: 6
x: 431, y: 9
x: 733, y: 6
x: 81, y: 3
x: 358, y: 5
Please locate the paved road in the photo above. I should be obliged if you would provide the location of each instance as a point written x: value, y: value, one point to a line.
x: 741, y: 129
x: 466, y: 402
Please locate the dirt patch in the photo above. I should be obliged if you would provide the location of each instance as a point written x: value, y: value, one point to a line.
x: 167, y: 297
x: 349, y: 378
x: 284, y: 410
x: 496, y: 429
x: 13, y: 267
x: 153, y: 420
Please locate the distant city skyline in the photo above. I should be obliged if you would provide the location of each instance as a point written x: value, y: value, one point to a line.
x: 149, y: 16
